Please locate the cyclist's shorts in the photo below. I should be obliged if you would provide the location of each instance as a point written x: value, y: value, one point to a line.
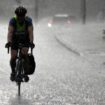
x: 15, y: 46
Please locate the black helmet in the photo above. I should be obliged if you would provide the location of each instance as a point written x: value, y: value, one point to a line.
x: 20, y: 11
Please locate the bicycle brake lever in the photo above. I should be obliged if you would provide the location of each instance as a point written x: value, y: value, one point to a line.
x: 31, y: 51
x: 8, y: 50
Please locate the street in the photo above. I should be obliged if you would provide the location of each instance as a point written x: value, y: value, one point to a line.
x: 62, y: 77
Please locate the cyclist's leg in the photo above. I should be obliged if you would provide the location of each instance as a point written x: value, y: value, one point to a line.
x: 13, y: 60
x: 14, y: 50
x: 24, y: 52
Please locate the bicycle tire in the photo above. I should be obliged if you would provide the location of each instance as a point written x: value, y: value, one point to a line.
x: 18, y: 70
x: 19, y: 88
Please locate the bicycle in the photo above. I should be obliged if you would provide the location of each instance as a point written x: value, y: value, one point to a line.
x: 19, y: 70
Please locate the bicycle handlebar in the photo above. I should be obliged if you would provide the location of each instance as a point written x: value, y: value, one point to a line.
x: 20, y: 46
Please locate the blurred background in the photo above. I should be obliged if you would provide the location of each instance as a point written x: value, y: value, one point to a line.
x: 82, y: 10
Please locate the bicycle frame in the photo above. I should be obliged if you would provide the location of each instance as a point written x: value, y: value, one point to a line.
x: 19, y: 67
x: 19, y: 70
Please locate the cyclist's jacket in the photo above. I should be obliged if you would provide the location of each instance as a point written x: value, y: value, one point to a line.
x: 20, y: 33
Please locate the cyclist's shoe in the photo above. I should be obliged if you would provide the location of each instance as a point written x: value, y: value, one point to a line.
x: 12, y: 77
x: 26, y: 78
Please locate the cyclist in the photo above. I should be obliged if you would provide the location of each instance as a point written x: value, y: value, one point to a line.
x: 20, y: 30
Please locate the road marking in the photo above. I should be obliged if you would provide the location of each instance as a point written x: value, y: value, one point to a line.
x: 68, y: 47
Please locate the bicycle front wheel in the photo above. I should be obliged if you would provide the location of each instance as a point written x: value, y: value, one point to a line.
x: 19, y: 88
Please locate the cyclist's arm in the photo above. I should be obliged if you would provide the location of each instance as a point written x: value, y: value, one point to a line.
x: 10, y: 29
x: 30, y: 30
x: 10, y: 33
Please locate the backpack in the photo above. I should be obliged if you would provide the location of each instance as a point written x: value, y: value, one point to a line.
x: 29, y: 64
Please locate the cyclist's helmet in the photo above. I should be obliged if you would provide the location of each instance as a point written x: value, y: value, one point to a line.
x: 20, y: 11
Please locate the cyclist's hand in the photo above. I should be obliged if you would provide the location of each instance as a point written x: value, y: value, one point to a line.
x: 8, y: 44
x: 32, y: 45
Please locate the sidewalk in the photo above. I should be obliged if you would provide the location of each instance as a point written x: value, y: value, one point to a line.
x: 84, y: 40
